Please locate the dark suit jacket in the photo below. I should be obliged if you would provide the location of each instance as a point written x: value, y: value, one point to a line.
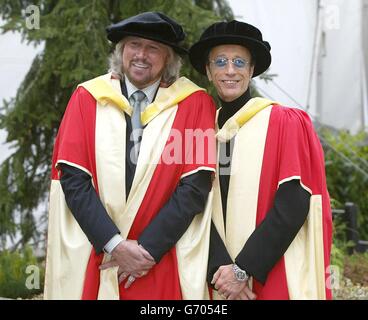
x: 164, y: 230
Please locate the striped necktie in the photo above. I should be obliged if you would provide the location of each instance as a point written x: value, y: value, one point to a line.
x: 137, y: 101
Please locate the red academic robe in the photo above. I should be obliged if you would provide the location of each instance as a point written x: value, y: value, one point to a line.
x: 292, y: 149
x: 273, y: 145
x: 75, y: 145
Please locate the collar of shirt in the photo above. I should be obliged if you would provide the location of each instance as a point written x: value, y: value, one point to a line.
x: 149, y: 91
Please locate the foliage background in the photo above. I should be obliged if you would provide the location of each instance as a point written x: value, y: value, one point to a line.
x: 346, y: 159
x: 75, y: 49
x: 14, y: 274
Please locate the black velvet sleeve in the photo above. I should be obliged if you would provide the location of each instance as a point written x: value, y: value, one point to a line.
x: 270, y: 240
x: 86, y: 207
x: 218, y: 255
x: 188, y: 199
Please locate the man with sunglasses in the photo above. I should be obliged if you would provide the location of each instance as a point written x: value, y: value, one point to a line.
x: 272, y: 228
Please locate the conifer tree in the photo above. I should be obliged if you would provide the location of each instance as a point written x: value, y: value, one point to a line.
x: 75, y: 49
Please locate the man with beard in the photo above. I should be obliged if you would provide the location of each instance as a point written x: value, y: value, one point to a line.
x: 137, y: 226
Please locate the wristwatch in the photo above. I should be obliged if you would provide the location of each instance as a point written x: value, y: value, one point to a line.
x: 240, y: 275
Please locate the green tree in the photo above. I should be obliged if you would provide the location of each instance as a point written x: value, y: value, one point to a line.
x: 346, y: 158
x: 75, y: 49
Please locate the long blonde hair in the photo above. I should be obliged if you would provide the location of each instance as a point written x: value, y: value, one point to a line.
x: 171, y: 71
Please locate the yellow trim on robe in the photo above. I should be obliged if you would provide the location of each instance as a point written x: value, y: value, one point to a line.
x: 112, y: 195
x: 250, y: 109
x: 168, y: 97
x: 102, y: 90
x: 69, y: 248
x: 66, y: 244
x: 242, y: 197
x: 305, y: 277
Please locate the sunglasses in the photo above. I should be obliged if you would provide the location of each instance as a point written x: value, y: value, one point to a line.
x: 221, y: 62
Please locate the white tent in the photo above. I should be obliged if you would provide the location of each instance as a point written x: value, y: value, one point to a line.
x: 320, y: 54
x: 15, y: 60
x: 319, y: 50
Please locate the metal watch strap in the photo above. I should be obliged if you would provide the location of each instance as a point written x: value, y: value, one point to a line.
x: 240, y: 274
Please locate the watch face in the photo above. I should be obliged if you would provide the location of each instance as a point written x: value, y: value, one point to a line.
x: 240, y: 275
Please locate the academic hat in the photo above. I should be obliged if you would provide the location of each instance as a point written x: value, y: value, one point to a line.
x: 233, y: 32
x: 149, y: 25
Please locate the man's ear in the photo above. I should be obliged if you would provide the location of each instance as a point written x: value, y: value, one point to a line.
x: 251, y: 71
x: 208, y: 73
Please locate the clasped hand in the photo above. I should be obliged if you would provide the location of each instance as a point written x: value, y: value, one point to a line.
x: 229, y: 287
x: 133, y: 261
